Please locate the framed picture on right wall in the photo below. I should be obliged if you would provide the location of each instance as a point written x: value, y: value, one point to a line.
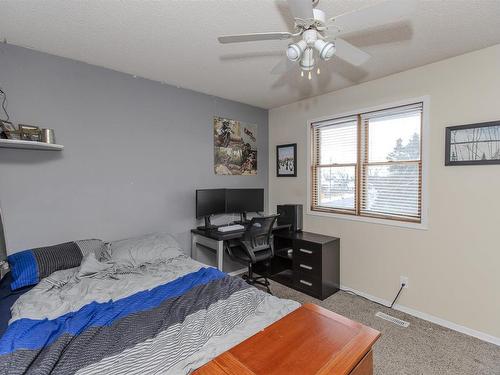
x: 473, y: 144
x: 286, y: 160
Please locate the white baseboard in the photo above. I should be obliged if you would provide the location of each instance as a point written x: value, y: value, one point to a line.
x: 431, y: 318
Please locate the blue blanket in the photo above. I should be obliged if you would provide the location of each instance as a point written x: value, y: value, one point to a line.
x: 85, y: 338
x: 7, y: 299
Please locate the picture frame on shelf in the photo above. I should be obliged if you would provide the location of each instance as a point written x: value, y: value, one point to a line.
x: 286, y: 160
x: 30, y: 133
x: 473, y: 144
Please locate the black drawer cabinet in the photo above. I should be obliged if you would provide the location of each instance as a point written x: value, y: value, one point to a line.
x: 313, y: 265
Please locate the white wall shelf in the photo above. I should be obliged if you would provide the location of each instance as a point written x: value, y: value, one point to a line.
x: 29, y: 145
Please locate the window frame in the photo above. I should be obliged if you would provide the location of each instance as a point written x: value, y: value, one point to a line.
x: 373, y: 218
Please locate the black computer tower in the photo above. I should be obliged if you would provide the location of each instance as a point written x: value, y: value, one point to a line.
x: 290, y: 214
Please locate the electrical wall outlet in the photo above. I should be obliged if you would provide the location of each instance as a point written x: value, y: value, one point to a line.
x: 404, y: 280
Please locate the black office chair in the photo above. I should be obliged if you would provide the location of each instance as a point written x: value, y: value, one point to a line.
x: 254, y: 246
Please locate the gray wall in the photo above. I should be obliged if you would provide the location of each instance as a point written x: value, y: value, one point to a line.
x: 135, y: 151
x: 3, y: 250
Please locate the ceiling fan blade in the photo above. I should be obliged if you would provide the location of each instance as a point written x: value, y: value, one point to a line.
x: 389, y: 11
x: 302, y: 9
x: 282, y: 67
x: 238, y: 38
x: 347, y: 52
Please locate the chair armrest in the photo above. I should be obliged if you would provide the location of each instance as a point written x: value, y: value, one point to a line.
x: 249, y: 251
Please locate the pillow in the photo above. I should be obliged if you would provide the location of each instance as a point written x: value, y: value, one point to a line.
x: 28, y: 267
x: 149, y: 248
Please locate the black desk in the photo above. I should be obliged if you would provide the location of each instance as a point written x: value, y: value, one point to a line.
x: 305, y: 261
x: 224, y: 236
x: 214, y: 240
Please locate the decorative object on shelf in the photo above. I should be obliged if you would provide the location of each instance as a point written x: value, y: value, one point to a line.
x: 7, y: 126
x: 48, y: 136
x: 15, y: 135
x: 9, y: 130
x: 29, y: 133
x: 235, y: 147
x: 27, y: 137
x: 286, y: 160
x: 473, y: 144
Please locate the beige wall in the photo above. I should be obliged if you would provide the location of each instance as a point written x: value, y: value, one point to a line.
x: 454, y: 266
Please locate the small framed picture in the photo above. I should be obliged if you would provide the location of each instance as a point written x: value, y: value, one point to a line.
x: 29, y: 132
x: 286, y: 160
x: 473, y: 144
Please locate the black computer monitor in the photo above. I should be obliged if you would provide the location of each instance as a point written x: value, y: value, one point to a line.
x: 210, y: 202
x: 244, y: 200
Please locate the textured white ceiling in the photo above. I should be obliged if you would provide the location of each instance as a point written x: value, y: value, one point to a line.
x: 174, y: 41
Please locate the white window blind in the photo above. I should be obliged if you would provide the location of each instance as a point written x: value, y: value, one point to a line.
x: 335, y: 169
x: 369, y: 164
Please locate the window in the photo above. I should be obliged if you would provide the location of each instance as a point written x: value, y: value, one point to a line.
x: 369, y: 164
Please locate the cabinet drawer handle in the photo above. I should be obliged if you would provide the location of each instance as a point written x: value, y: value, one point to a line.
x: 306, y: 282
x: 305, y: 251
x: 305, y: 266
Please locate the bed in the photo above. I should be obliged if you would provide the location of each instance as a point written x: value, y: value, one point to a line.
x: 141, y: 306
x: 7, y: 300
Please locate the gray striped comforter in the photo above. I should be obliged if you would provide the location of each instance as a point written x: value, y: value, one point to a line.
x: 167, y: 318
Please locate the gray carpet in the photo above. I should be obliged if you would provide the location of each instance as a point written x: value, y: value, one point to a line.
x: 423, y: 348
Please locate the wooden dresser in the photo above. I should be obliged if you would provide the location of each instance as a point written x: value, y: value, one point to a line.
x: 310, y: 340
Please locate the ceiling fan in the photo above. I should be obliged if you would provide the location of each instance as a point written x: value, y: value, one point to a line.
x: 317, y: 35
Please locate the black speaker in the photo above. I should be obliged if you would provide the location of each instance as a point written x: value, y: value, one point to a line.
x: 290, y: 214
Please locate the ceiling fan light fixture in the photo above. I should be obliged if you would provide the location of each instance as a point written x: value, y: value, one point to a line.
x: 307, y: 62
x: 295, y: 50
x: 326, y: 50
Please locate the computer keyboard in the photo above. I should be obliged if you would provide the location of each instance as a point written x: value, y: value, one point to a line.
x: 230, y: 228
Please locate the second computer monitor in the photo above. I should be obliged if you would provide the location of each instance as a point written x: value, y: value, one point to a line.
x: 244, y: 200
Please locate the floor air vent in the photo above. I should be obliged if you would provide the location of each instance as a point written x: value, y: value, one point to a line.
x: 392, y: 319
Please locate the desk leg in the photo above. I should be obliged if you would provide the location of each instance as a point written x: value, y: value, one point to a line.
x: 220, y: 255
x: 194, y: 253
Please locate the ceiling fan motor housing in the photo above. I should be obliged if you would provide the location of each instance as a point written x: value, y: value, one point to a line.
x: 319, y: 15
